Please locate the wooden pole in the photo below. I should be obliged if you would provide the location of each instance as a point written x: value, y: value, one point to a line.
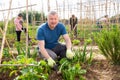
x: 18, y: 65
x: 57, y: 6
x: 7, y: 44
x: 5, y: 39
x: 68, y: 17
x: 64, y: 11
x: 118, y: 13
x: 106, y: 6
x: 5, y: 30
x: 42, y: 14
x: 81, y: 14
x: 99, y: 9
x: 48, y: 5
x: 26, y: 28
x: 18, y: 7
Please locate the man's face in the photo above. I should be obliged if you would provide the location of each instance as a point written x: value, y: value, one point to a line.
x: 52, y: 21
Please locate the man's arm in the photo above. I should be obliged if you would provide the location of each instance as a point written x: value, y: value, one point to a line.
x: 69, y: 53
x: 42, y: 49
x: 68, y: 41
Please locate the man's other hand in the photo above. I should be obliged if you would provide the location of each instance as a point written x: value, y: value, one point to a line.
x: 51, y: 62
x: 69, y: 54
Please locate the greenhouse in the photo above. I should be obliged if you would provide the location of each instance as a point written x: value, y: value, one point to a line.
x: 60, y: 40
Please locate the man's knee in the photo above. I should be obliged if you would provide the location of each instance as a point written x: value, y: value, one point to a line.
x: 50, y: 53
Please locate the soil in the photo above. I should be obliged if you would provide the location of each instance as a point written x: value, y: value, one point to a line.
x: 103, y: 70
x: 100, y: 69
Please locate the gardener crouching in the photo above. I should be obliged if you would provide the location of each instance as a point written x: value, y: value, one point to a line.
x: 48, y: 35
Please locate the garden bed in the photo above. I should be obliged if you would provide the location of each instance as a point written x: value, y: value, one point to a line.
x: 100, y: 69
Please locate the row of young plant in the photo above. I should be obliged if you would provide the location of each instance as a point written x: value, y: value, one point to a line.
x: 27, y: 68
x: 21, y: 67
x: 75, y: 69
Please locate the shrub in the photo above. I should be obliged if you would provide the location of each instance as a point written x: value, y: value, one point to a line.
x: 109, y: 44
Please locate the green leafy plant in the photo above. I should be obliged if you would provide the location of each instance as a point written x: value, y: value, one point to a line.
x: 76, y: 42
x: 26, y: 69
x: 88, y: 41
x: 6, y: 52
x: 109, y: 44
x: 71, y: 70
x: 1, y: 24
x: 20, y: 47
x: 32, y: 72
x: 21, y: 50
x: 82, y: 56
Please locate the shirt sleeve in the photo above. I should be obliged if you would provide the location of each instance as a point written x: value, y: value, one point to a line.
x: 40, y: 34
x: 63, y: 30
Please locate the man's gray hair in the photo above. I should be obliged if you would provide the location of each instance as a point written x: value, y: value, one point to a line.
x: 52, y: 13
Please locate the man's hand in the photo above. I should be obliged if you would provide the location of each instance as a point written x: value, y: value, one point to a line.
x: 69, y: 54
x: 51, y: 62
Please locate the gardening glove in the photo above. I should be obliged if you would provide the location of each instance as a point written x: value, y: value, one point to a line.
x: 69, y: 54
x: 51, y: 62
x: 22, y: 31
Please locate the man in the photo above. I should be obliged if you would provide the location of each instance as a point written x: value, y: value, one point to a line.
x: 73, y: 24
x: 103, y: 22
x: 48, y: 35
x: 18, y: 25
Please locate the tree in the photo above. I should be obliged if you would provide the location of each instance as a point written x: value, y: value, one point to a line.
x: 34, y: 16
